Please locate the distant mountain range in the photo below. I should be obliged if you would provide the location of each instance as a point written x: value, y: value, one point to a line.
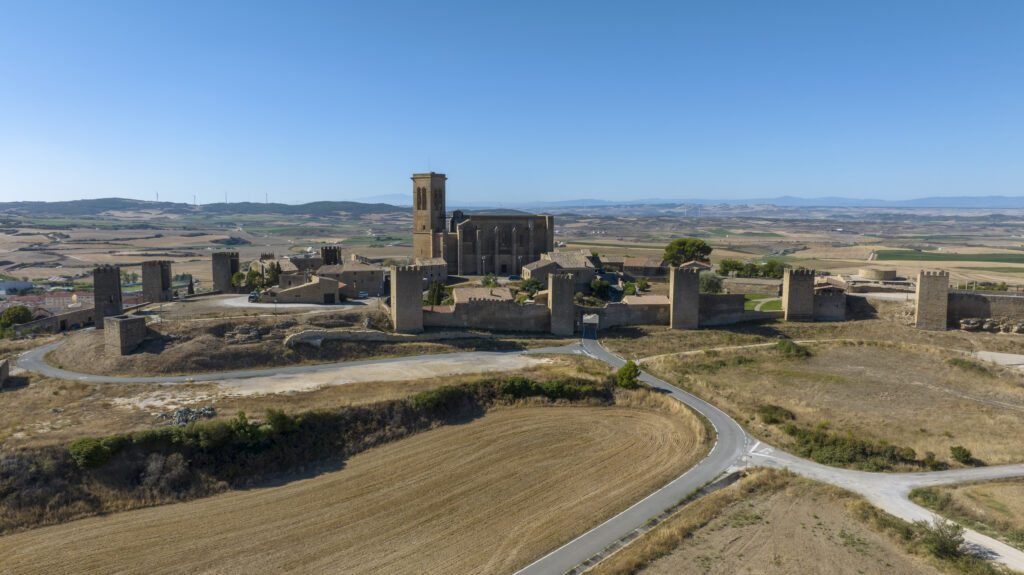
x: 400, y: 203
x: 79, y: 208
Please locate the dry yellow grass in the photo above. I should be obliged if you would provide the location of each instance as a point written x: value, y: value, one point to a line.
x: 767, y: 523
x: 995, y: 508
x: 484, y: 497
x: 906, y: 395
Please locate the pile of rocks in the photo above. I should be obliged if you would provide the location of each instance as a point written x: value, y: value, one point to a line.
x: 992, y: 325
x: 245, y: 334
x: 188, y: 415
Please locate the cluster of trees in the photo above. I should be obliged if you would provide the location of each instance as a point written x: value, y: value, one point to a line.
x: 682, y: 250
x: 128, y: 277
x: 256, y: 280
x: 769, y: 269
x: 436, y: 294
x: 15, y: 315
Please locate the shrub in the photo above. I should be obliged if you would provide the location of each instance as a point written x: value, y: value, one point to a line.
x: 772, y: 414
x: 942, y: 538
x: 833, y: 449
x: 931, y: 498
x: 600, y: 288
x: 628, y: 376
x: 710, y: 282
x: 89, y: 452
x: 961, y: 454
x: 444, y: 398
x: 791, y: 349
x: 968, y: 365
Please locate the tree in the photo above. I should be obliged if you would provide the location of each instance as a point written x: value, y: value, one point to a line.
x: 599, y: 288
x: 253, y: 279
x: 773, y: 269
x: 273, y: 274
x: 531, y: 286
x: 489, y: 280
x: 628, y: 376
x: 710, y: 282
x: 436, y: 293
x: 238, y: 279
x: 15, y: 315
x: 686, y: 249
x: 191, y: 286
x: 642, y: 284
x: 89, y: 452
x: 729, y: 265
x: 961, y: 454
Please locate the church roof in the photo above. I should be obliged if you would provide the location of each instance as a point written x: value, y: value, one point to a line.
x: 570, y: 260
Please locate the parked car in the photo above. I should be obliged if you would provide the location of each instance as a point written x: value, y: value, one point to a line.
x: 363, y: 295
x: 254, y: 297
x: 514, y: 277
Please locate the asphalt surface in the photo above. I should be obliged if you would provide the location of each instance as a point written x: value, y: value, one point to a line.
x: 733, y: 449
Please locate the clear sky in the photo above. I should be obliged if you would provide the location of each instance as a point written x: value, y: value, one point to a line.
x: 513, y: 100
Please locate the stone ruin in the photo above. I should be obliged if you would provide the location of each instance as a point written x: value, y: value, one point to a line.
x: 992, y: 325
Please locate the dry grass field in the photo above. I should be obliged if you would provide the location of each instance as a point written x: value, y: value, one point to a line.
x: 995, y: 508
x: 769, y: 523
x: 906, y: 395
x: 483, y: 497
x: 637, y: 342
x: 52, y: 411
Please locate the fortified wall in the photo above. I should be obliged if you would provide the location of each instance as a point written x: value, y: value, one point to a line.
x: 937, y: 307
x: 123, y: 334
x: 802, y: 301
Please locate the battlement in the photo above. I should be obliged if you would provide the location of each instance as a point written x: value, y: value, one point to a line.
x: 264, y: 256
x: 691, y: 271
x: 225, y: 254
x: 938, y: 273
x: 406, y: 269
x: 107, y: 269
x: 802, y: 272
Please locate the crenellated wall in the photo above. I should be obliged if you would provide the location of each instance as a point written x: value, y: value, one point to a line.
x: 496, y: 315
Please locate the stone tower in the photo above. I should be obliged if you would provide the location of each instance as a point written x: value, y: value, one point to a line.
x: 225, y: 265
x: 156, y: 281
x: 798, y: 295
x: 560, y: 303
x: 684, y: 298
x: 331, y: 255
x: 428, y: 214
x: 407, y: 299
x: 931, y: 301
x: 106, y: 282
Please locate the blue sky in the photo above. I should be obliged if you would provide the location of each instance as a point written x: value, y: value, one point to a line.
x: 519, y: 100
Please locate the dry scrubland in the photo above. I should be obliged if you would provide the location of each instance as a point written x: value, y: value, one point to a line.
x: 203, y: 347
x: 770, y: 522
x: 28, y: 419
x: 905, y: 395
x: 995, y: 508
x: 483, y: 497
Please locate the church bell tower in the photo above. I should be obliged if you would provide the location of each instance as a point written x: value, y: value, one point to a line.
x: 428, y: 214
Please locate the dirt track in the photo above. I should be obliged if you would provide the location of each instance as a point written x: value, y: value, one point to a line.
x: 485, y: 497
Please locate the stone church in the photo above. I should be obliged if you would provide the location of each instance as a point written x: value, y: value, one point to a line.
x: 475, y: 244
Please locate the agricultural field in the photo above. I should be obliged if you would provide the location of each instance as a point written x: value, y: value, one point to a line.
x: 772, y: 522
x: 487, y: 496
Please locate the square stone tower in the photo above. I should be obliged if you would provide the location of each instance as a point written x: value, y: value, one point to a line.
x: 106, y: 282
x: 684, y: 298
x: 560, y: 303
x: 407, y: 299
x: 798, y: 295
x: 156, y: 281
x: 931, y: 301
x: 124, y: 333
x: 428, y: 215
x: 225, y: 265
x: 331, y: 255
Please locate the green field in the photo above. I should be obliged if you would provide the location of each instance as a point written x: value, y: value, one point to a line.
x: 997, y: 269
x: 911, y: 255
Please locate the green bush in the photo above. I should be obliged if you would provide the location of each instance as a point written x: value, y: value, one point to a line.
x: 791, y: 349
x: 628, y: 376
x: 772, y: 414
x: 444, y: 398
x: 931, y: 498
x: 89, y: 452
x: 968, y: 365
x: 15, y: 315
x: 942, y: 538
x: 961, y: 454
x: 832, y: 449
x: 710, y: 282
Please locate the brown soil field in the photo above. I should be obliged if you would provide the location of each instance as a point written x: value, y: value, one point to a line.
x: 53, y: 411
x: 483, y: 497
x: 906, y: 395
x: 204, y: 347
x: 637, y: 342
x: 790, y: 526
x: 995, y: 508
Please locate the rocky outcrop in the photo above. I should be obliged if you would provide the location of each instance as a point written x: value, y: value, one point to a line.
x: 316, y: 337
x: 993, y: 325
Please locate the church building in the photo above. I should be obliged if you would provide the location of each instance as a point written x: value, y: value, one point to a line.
x: 475, y: 244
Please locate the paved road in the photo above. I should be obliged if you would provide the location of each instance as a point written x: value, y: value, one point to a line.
x: 733, y: 448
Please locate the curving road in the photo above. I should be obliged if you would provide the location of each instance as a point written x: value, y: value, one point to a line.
x: 733, y: 449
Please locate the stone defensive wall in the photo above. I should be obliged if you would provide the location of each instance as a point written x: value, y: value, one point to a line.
x: 616, y: 314
x: 830, y: 307
x: 983, y: 304
x: 316, y: 337
x: 490, y: 315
